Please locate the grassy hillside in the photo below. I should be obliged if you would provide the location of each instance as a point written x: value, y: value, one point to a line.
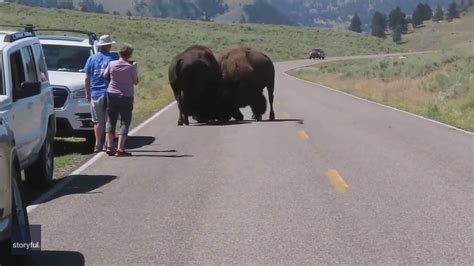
x: 434, y: 36
x: 438, y: 85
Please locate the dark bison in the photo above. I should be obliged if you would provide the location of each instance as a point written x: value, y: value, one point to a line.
x: 195, y: 78
x: 246, y: 72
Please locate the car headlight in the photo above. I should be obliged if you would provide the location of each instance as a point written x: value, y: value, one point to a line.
x: 79, y: 94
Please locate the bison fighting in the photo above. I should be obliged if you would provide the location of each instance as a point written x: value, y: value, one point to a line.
x: 208, y: 88
x: 195, y: 77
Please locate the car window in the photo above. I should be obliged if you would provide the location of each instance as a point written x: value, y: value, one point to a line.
x: 17, y: 72
x: 2, y: 87
x: 66, y: 58
x: 41, y: 64
x: 30, y: 65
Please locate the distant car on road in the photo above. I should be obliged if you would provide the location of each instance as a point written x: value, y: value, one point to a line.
x: 317, y: 53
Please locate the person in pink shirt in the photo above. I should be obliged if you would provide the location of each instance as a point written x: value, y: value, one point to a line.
x: 123, y: 77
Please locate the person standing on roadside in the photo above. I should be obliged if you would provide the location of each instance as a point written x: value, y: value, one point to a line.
x: 123, y: 77
x: 96, y: 86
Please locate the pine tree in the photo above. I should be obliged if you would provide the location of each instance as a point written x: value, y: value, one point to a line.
x: 427, y: 12
x: 439, y: 14
x: 356, y: 24
x: 397, y: 34
x: 417, y: 17
x: 379, y: 25
x: 100, y: 9
x: 398, y: 19
x: 452, y: 12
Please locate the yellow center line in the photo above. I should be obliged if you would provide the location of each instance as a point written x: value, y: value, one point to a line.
x: 302, y: 135
x: 336, y: 180
x: 285, y: 115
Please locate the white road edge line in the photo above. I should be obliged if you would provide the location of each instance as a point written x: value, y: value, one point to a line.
x: 380, y: 104
x: 44, y: 197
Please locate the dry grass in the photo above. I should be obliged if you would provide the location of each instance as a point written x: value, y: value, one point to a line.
x: 444, y: 92
x: 435, y: 36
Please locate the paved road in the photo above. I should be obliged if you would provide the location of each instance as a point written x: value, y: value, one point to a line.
x: 400, y: 190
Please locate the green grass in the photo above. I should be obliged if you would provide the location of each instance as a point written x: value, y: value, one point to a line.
x: 437, y: 85
x: 156, y: 41
x: 436, y: 36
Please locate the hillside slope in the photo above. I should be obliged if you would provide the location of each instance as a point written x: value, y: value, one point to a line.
x: 435, y: 36
x: 438, y: 85
x: 300, y: 12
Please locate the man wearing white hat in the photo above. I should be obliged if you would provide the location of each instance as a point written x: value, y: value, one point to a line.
x: 96, y: 86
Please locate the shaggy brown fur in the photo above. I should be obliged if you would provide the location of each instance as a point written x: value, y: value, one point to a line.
x: 246, y: 72
x: 195, y: 78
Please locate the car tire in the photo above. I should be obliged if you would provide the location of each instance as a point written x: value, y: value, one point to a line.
x: 19, y: 217
x: 40, y: 173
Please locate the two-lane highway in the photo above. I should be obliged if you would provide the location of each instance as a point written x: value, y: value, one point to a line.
x: 334, y: 180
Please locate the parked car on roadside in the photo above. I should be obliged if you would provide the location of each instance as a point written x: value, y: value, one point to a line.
x: 65, y: 58
x: 26, y: 105
x: 317, y: 53
x: 12, y: 209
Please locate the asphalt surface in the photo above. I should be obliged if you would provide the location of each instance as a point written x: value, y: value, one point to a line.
x: 400, y: 190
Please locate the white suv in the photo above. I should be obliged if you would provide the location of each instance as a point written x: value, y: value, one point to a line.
x: 65, y: 58
x: 12, y: 210
x: 26, y: 104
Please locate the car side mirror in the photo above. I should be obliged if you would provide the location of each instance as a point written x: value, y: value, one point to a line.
x: 29, y: 89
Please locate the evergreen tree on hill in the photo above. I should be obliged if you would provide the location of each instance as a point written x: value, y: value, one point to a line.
x: 397, y: 19
x: 418, y: 15
x: 427, y: 12
x: 356, y: 24
x: 397, y: 34
x: 379, y: 25
x: 452, y: 12
x: 439, y: 14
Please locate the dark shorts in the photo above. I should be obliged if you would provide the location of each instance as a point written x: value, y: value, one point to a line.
x: 119, y: 105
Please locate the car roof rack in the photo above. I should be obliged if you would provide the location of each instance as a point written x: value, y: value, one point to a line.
x: 31, y: 28
x: 17, y: 36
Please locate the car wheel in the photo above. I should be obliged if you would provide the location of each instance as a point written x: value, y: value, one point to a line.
x: 40, y: 173
x: 19, y: 218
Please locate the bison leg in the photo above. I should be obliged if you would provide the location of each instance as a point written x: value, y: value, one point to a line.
x: 183, y: 116
x: 237, y: 114
x: 259, y: 105
x: 177, y: 96
x: 271, y: 89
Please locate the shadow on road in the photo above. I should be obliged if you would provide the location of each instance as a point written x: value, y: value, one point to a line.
x: 145, y: 151
x: 244, y: 122
x: 83, y: 184
x: 80, y: 184
x: 161, y: 155
x: 53, y: 258
x: 299, y: 121
x: 216, y: 123
x: 134, y: 142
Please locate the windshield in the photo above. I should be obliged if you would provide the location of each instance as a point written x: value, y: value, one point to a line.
x: 66, y: 58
